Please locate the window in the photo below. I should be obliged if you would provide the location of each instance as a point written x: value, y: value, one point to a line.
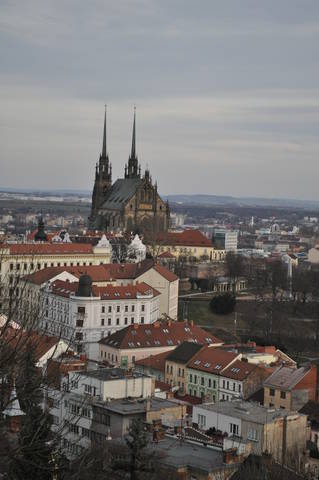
x: 282, y: 394
x: 201, y: 421
x: 103, y: 309
x: 271, y: 392
x: 81, y: 309
x: 190, y: 378
x: 167, y: 368
x: 126, y: 308
x: 143, y: 308
x: 118, y: 309
x: 142, y: 319
x: 110, y: 309
x: 233, y: 428
x: 209, y: 382
x: 252, y: 434
x: 171, y: 370
x: 133, y: 308
x: 195, y: 378
x: 132, y: 320
x: 234, y: 386
x: 179, y: 372
x: 109, y: 321
x: 125, y: 320
x: 202, y: 381
x: 117, y: 321
x: 102, y: 322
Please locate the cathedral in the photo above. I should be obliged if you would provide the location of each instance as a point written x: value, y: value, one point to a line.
x: 131, y: 203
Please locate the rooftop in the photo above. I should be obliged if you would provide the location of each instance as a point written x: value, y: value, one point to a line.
x: 108, y: 292
x: 239, y: 370
x: 159, y: 334
x: 108, y: 374
x: 249, y: 411
x: 286, y: 378
x: 48, y: 248
x: 184, y: 352
x: 212, y: 360
x: 154, y: 361
x: 125, y: 406
x: 188, y: 237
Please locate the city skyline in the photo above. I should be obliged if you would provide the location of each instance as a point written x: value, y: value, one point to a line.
x: 227, y: 95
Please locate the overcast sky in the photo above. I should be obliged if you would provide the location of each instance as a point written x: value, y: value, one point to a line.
x: 226, y: 91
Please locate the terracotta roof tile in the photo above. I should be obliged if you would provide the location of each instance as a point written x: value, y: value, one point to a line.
x: 154, y: 361
x: 167, y: 274
x: 158, y: 334
x: 212, y: 360
x: 48, y: 248
x: 108, y: 292
x: 97, y: 272
x: 239, y: 370
x: 185, y: 238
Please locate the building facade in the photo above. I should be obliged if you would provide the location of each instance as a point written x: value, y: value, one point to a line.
x: 82, y: 314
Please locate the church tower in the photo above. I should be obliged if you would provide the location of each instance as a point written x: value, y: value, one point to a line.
x: 103, y: 175
x: 132, y: 169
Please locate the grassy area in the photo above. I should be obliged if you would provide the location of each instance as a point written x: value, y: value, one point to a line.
x: 200, y: 312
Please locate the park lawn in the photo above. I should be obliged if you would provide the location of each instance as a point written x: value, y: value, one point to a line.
x: 200, y: 312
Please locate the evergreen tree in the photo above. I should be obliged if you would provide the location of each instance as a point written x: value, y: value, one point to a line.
x: 34, y: 456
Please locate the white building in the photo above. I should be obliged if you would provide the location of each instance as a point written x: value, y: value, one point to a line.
x: 73, y: 407
x: 82, y: 313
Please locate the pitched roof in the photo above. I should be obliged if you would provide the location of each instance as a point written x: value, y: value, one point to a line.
x: 239, y: 370
x: 121, y: 191
x: 211, y: 360
x: 19, y: 340
x: 154, y: 361
x: 164, y: 272
x: 128, y: 270
x: 97, y: 272
x: 286, y: 378
x: 184, y: 352
x: 108, y: 292
x: 48, y: 248
x: 185, y: 238
x: 158, y: 334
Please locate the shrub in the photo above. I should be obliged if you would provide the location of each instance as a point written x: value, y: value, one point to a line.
x: 223, y: 304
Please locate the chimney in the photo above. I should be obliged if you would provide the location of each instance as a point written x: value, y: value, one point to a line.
x: 157, y: 324
x: 135, y: 326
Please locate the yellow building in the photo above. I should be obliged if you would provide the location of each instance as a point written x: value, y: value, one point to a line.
x: 188, y: 244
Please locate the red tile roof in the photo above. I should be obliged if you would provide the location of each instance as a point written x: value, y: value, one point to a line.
x: 108, y: 292
x: 239, y: 370
x: 162, y: 386
x: 212, y: 360
x: 185, y: 238
x: 158, y: 334
x: 48, y: 248
x: 164, y: 272
x: 154, y: 361
x: 128, y: 270
x: 19, y: 340
x: 165, y: 255
x: 97, y: 272
x: 102, y: 273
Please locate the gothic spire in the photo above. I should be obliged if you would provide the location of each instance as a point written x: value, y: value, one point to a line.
x: 133, y: 150
x: 104, y: 136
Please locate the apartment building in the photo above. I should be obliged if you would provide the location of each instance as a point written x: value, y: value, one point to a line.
x: 139, y: 341
x: 82, y: 313
x: 290, y: 388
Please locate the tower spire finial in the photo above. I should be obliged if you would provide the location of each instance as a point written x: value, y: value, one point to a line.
x: 104, y: 135
x: 133, y: 151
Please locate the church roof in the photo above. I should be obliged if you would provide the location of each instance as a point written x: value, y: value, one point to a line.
x: 122, y: 190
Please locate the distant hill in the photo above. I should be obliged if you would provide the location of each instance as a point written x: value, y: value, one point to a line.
x: 196, y: 199
x: 240, y: 201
